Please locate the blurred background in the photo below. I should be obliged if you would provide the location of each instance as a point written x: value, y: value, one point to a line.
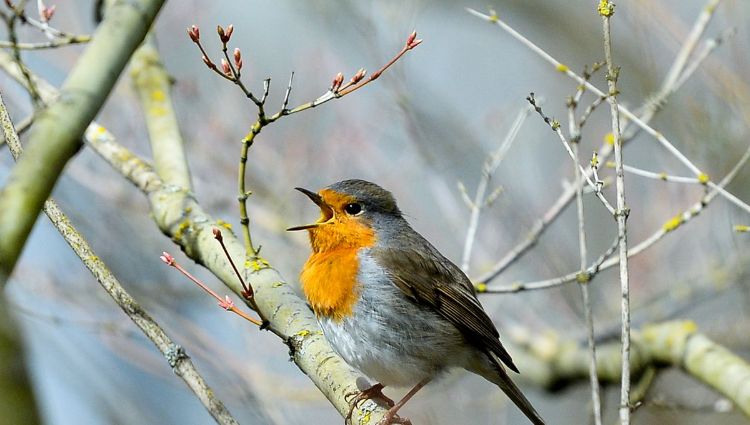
x: 427, y: 124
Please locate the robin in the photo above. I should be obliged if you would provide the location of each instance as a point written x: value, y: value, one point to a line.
x: 390, y: 304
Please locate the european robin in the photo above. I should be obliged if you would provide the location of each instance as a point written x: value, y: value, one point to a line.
x: 390, y: 304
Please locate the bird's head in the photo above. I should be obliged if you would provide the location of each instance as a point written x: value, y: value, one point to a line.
x: 350, y: 212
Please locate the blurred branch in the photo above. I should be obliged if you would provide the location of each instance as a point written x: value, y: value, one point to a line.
x: 152, y: 83
x: 178, y: 360
x: 481, y: 199
x: 56, y: 135
x: 183, y: 219
x: 52, y: 44
x: 553, y: 363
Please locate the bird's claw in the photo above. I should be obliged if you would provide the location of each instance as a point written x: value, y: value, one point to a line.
x: 375, y: 391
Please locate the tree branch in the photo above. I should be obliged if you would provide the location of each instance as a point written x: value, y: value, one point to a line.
x: 57, y: 133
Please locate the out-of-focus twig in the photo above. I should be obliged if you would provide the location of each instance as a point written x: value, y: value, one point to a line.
x: 481, y: 199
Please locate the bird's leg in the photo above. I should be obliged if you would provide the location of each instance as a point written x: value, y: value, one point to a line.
x: 375, y: 391
x: 391, y: 417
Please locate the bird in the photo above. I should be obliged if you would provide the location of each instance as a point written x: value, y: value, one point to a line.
x: 390, y: 304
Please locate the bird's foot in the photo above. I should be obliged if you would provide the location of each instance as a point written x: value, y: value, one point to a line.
x: 375, y: 391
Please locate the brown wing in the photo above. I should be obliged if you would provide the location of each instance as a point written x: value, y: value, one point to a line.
x: 444, y: 287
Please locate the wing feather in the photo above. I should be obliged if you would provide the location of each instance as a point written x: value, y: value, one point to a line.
x: 444, y: 287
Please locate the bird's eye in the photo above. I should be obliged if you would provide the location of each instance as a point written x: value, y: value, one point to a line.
x: 353, y: 208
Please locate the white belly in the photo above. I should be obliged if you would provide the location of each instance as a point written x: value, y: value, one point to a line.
x: 392, y: 340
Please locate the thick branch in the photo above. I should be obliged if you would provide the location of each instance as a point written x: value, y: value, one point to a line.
x: 553, y: 363
x: 153, y: 86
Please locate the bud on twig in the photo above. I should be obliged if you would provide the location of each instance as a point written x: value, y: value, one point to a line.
x: 358, y: 76
x: 217, y: 234
x: 195, y: 33
x: 168, y: 259
x: 46, y: 13
x: 237, y: 59
x: 225, y: 68
x: 224, y: 36
x: 337, y: 81
x: 412, y: 41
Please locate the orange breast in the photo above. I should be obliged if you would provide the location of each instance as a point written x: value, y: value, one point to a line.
x: 329, y: 281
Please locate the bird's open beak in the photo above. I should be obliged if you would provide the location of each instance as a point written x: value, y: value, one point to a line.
x: 326, y: 211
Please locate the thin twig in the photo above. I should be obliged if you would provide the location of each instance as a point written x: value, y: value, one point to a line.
x: 606, y: 10
x: 481, y: 200
x: 52, y: 44
x: 658, y: 176
x: 594, y: 269
x: 555, y: 126
x: 575, y: 137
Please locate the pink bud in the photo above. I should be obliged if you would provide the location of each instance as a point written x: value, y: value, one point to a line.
x: 358, y: 76
x: 230, y: 30
x: 237, y: 58
x: 208, y: 62
x: 225, y: 67
x: 411, y: 38
x: 195, y: 33
x: 217, y: 234
x: 46, y: 13
x: 220, y: 31
x: 168, y: 259
x: 227, y: 303
x: 337, y: 81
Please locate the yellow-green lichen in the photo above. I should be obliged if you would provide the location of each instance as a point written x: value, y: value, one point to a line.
x: 182, y: 228
x: 303, y: 333
x: 562, y: 67
x: 609, y: 139
x: 480, y: 287
x: 256, y: 264
x: 703, y: 178
x: 493, y: 16
x: 157, y: 96
x: 583, y: 277
x: 224, y: 224
x: 741, y: 228
x: 673, y: 223
x: 605, y: 8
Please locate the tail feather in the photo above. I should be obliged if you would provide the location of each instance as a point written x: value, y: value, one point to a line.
x: 510, y: 389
